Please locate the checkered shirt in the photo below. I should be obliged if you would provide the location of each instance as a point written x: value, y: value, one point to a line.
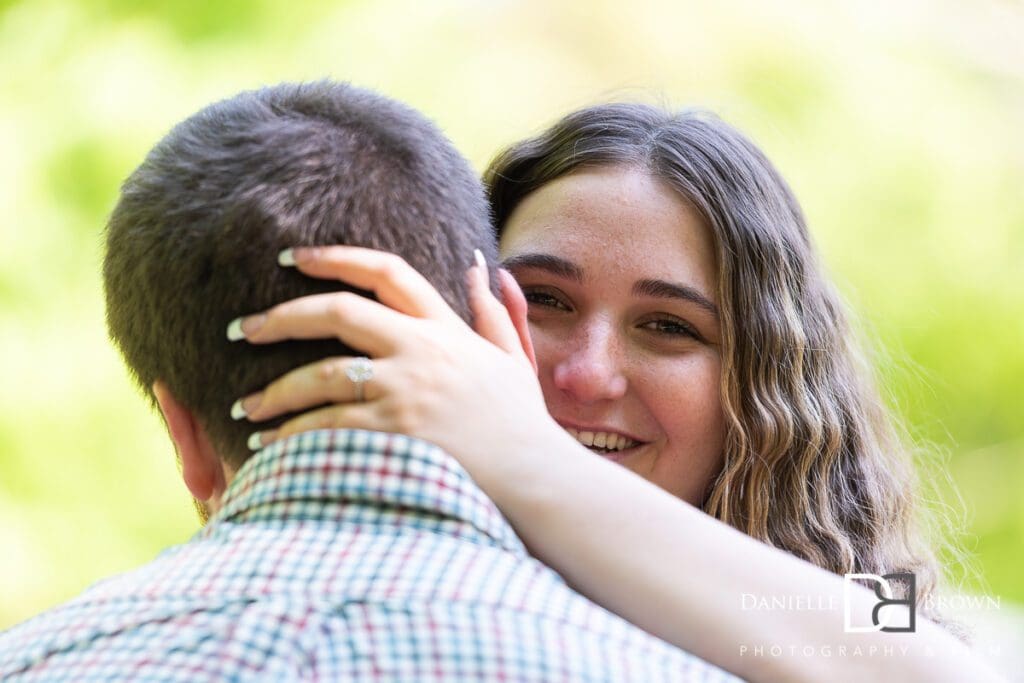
x: 343, y: 556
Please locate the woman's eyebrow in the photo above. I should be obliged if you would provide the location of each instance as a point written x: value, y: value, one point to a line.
x: 568, y: 270
x: 552, y: 264
x: 668, y: 290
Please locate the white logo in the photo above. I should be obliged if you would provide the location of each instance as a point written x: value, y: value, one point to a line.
x: 884, y: 592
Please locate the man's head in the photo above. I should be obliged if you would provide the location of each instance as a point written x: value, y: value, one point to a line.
x: 192, y: 243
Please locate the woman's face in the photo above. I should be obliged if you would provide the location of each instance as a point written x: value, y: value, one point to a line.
x: 620, y: 276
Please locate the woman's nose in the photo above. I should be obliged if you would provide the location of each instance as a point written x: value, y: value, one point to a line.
x: 591, y: 369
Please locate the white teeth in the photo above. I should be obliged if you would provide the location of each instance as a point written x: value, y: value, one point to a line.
x: 608, y: 440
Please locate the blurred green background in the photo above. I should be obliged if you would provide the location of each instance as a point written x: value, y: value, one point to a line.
x: 899, y: 126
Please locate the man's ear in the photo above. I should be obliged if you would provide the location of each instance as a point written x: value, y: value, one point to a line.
x: 201, y: 467
x: 515, y: 303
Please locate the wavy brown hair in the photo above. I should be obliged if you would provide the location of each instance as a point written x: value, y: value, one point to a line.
x: 813, y: 463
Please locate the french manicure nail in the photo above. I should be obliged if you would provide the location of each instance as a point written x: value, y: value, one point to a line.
x: 480, y: 260
x: 235, y: 330
x: 244, y: 327
x: 286, y: 258
x: 244, y: 407
x: 258, y: 440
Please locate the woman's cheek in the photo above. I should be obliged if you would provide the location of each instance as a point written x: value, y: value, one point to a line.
x: 685, y: 398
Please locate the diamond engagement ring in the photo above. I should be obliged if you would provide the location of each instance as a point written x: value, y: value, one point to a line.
x: 360, y: 371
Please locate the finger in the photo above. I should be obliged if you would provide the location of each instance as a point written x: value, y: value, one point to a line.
x: 353, y: 319
x: 310, y: 386
x: 395, y: 282
x: 346, y: 416
x: 515, y: 305
x: 490, y: 317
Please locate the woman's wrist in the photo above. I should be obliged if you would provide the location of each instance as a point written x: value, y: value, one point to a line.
x: 519, y: 472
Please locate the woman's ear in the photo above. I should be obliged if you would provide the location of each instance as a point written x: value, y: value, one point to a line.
x: 515, y: 304
x: 201, y: 467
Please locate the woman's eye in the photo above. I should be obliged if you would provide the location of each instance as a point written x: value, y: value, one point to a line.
x: 543, y: 299
x: 670, y: 328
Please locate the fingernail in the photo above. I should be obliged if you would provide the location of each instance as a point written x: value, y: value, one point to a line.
x: 244, y: 407
x: 286, y: 258
x: 235, y: 330
x: 255, y: 441
x: 246, y: 326
x: 258, y: 440
x: 480, y: 260
x: 483, y: 275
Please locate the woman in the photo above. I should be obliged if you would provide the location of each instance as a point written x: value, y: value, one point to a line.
x: 683, y: 329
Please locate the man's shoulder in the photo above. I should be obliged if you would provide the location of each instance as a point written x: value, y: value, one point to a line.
x: 346, y: 561
x: 342, y: 596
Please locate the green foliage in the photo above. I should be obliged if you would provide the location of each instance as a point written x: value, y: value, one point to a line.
x: 899, y: 130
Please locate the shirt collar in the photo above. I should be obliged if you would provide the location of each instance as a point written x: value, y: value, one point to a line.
x: 357, y: 476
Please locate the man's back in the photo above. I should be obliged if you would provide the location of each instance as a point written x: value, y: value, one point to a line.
x: 343, y: 555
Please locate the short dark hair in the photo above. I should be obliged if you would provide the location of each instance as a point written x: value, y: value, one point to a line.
x: 193, y: 240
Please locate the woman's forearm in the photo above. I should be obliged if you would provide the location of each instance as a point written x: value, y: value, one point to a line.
x: 687, y: 578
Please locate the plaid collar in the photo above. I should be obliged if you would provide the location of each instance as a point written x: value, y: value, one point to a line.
x: 362, y: 477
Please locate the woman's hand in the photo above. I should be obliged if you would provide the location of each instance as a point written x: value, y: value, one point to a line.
x: 433, y: 377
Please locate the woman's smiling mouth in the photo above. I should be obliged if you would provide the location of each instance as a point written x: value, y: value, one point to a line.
x: 611, y: 444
